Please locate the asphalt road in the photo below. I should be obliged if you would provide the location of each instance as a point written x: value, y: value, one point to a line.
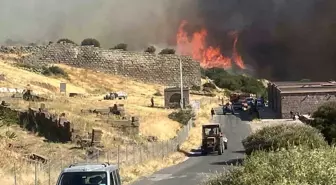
x: 194, y: 170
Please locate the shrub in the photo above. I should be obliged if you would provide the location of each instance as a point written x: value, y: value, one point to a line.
x: 235, y: 82
x: 209, y: 85
x: 325, y: 121
x: 297, y: 166
x: 8, y: 117
x: 181, y: 116
x: 90, y: 42
x: 29, y: 67
x: 150, y: 49
x: 54, y: 70
x: 122, y: 46
x: 283, y: 136
x: 167, y: 51
x: 195, y: 88
x: 66, y: 41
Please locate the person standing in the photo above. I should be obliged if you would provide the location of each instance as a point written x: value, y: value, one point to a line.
x: 152, y: 102
x: 212, y: 112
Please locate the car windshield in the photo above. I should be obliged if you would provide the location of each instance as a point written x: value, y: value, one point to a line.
x: 211, y: 131
x: 84, y: 178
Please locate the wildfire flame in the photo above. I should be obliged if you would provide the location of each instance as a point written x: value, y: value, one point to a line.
x: 208, y: 56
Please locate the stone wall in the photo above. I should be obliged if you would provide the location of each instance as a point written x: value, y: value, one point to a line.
x: 52, y: 127
x: 155, y: 68
x: 304, y: 103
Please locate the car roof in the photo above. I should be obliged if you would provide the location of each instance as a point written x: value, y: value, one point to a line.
x: 211, y: 124
x: 90, y: 167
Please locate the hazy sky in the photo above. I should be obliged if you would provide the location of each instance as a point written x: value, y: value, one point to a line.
x: 137, y: 22
x: 281, y: 39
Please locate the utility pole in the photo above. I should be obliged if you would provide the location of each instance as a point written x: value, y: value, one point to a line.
x: 181, y: 76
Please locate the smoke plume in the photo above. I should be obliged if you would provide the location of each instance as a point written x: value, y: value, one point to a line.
x: 279, y: 39
x: 137, y: 23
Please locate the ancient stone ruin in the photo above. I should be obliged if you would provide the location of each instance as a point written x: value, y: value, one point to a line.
x: 142, y: 66
x: 117, y: 118
x: 51, y: 126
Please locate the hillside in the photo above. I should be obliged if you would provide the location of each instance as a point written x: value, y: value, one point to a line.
x: 94, y: 84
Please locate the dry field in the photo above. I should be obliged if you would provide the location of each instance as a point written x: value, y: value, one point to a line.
x: 153, y: 121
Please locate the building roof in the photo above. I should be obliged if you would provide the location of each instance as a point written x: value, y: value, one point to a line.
x: 295, y: 83
x: 305, y: 87
x: 308, y: 90
x: 173, y: 89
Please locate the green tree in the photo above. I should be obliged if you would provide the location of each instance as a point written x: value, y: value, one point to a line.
x: 90, y: 42
x: 325, y: 121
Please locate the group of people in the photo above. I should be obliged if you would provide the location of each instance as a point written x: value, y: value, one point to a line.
x: 226, y: 107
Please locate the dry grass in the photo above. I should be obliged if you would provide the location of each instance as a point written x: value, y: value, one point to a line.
x: 154, y: 121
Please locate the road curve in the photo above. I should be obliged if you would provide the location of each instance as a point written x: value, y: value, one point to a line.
x: 193, y: 170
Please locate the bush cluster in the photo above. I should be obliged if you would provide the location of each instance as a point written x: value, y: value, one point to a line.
x: 29, y: 67
x: 284, y: 136
x: 325, y: 121
x: 8, y: 117
x: 121, y: 46
x: 54, y: 70
x: 65, y: 40
x: 182, y: 116
x: 90, y: 42
x: 167, y: 51
x: 288, y: 154
x: 232, y: 82
x: 296, y: 166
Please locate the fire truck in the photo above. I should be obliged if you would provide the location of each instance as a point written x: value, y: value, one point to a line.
x: 239, y: 100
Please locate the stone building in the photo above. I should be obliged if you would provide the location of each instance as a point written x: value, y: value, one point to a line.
x: 172, y: 97
x: 299, y: 97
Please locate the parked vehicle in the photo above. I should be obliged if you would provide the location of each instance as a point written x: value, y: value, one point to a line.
x: 115, y: 95
x: 228, y: 109
x: 90, y: 173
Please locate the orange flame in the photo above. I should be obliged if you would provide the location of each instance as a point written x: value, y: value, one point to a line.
x: 209, y: 57
x: 236, y: 57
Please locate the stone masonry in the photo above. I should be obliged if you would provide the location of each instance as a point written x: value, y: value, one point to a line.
x: 304, y: 103
x: 299, y: 97
x: 147, y: 67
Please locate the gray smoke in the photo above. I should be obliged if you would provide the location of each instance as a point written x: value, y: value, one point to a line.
x: 281, y: 39
x: 137, y: 23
